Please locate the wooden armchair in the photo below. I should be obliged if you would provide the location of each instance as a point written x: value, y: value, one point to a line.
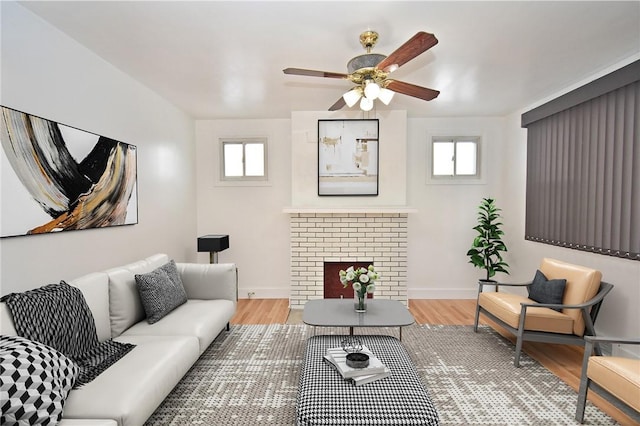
x: 616, y: 379
x: 566, y: 322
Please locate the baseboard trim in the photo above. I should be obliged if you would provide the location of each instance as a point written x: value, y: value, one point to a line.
x: 412, y: 293
x: 263, y: 293
x: 442, y: 293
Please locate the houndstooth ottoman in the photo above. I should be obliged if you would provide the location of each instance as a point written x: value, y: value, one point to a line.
x: 325, y: 398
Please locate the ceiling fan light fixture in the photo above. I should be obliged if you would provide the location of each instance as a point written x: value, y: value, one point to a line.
x: 352, y: 96
x: 371, y: 89
x: 369, y: 73
x: 366, y: 104
x: 386, y: 95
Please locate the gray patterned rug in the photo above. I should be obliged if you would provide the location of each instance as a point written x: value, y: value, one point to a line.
x: 249, y: 376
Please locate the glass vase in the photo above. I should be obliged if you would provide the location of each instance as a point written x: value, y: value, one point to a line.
x: 360, y: 301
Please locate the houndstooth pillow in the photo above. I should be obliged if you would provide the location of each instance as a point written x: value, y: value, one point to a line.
x: 161, y: 291
x: 35, y: 380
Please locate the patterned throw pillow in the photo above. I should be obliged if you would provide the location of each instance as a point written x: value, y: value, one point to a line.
x: 34, y: 382
x: 547, y: 291
x: 161, y: 291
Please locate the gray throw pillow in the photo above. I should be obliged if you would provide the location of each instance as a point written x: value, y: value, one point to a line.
x: 161, y: 291
x: 543, y: 290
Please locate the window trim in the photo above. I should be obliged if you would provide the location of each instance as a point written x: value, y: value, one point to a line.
x: 244, y: 178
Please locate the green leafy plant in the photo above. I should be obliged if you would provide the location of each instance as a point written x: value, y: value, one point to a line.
x: 487, y: 245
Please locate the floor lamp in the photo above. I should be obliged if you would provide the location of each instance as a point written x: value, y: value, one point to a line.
x: 213, y: 244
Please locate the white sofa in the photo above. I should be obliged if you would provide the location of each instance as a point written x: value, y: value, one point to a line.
x: 129, y: 391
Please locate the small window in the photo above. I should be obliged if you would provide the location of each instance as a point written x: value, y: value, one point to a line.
x: 244, y: 159
x: 455, y: 157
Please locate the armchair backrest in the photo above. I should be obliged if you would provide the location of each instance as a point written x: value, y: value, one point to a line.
x: 582, y: 285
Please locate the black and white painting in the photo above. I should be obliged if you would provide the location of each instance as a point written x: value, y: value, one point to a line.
x: 348, y: 157
x: 58, y: 178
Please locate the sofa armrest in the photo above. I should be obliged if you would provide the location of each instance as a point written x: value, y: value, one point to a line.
x: 210, y: 280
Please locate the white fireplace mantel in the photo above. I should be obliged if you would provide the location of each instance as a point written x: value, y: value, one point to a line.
x: 366, y: 210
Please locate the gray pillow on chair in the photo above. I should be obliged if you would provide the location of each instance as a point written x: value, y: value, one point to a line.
x: 161, y: 291
x: 543, y: 290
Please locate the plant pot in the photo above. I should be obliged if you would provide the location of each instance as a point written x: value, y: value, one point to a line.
x: 489, y: 285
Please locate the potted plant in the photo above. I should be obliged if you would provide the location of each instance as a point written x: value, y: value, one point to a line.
x: 487, y: 245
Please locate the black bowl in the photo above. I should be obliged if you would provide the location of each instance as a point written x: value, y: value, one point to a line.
x: 357, y: 360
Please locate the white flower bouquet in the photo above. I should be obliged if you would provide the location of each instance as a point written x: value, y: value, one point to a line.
x: 362, y: 280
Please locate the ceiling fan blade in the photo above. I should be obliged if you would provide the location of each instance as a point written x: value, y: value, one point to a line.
x: 412, y: 90
x: 340, y: 103
x: 313, y: 73
x: 416, y: 45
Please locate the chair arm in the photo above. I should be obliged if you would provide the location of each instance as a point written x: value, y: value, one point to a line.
x: 209, y: 281
x: 555, y: 305
x: 514, y: 284
x: 608, y: 339
x: 497, y: 284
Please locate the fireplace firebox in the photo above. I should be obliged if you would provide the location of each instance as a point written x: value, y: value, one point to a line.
x: 333, y: 288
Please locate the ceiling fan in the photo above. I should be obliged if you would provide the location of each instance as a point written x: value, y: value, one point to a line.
x: 370, y: 71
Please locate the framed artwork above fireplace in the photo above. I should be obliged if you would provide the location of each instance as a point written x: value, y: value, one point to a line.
x: 348, y: 155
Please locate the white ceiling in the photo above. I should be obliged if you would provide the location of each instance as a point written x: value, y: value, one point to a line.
x: 224, y: 59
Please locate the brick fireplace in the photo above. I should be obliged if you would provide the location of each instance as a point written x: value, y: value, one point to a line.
x: 318, y: 237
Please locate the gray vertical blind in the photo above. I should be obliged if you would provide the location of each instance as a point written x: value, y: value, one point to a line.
x: 583, y: 175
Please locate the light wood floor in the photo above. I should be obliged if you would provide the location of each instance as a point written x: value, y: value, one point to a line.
x: 565, y: 361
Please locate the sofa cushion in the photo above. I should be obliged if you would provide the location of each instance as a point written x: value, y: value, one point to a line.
x: 131, y: 389
x: 35, y: 380
x: 6, y: 321
x: 506, y: 306
x: 204, y: 319
x: 582, y: 285
x: 157, y: 260
x: 543, y: 290
x: 161, y: 291
x: 125, y: 306
x: 95, y: 289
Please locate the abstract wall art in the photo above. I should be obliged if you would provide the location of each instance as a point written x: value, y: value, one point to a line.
x: 348, y: 157
x: 58, y: 178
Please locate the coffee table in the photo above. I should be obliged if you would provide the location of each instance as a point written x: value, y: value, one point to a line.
x: 340, y: 313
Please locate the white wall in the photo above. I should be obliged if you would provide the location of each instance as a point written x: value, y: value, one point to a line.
x: 46, y: 73
x: 250, y: 214
x: 441, y: 232
x: 392, y: 160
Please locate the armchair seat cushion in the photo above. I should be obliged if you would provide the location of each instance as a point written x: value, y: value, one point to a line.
x: 506, y: 306
x: 619, y: 376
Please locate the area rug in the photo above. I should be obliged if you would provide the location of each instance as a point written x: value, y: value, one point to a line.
x: 249, y: 375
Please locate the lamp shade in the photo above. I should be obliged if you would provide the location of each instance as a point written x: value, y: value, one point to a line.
x: 213, y: 243
x: 352, y: 96
x: 366, y: 104
x: 386, y: 95
x: 371, y: 90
